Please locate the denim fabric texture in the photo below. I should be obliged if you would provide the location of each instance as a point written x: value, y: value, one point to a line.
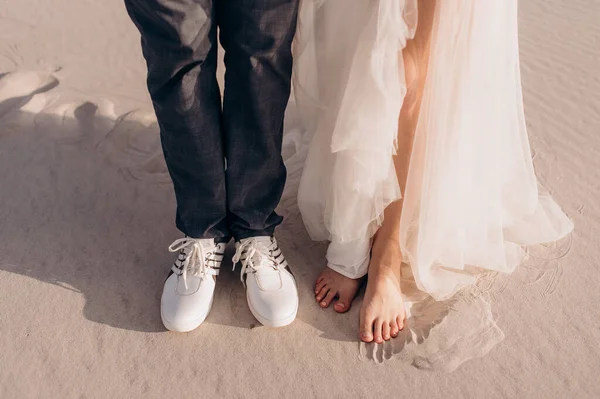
x: 223, y: 155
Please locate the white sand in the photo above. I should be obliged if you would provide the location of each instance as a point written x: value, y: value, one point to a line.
x: 86, y: 214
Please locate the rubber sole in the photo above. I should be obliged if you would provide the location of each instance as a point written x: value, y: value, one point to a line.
x: 187, y: 327
x: 272, y: 323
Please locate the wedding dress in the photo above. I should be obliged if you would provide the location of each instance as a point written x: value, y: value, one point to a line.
x: 472, y: 201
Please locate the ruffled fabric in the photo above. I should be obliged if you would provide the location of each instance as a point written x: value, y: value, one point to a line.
x: 349, y: 86
x: 472, y: 201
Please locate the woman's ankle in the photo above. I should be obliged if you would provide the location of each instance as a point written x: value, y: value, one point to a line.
x: 387, y: 248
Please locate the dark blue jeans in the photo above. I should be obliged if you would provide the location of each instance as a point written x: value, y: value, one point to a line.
x: 225, y: 160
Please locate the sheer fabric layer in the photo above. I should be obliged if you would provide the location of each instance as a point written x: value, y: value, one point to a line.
x: 472, y: 200
x: 349, y: 87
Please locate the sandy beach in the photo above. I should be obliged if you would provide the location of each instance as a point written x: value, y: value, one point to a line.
x: 87, y: 214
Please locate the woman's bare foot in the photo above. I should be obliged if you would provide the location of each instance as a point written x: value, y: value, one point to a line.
x: 331, y: 284
x: 382, y: 314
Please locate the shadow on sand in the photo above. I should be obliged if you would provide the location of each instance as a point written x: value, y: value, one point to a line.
x: 87, y: 204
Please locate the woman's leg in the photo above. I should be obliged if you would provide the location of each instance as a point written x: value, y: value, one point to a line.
x: 382, y: 313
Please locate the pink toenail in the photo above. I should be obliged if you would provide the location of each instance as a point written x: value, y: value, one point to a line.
x: 341, y: 305
x: 323, y: 303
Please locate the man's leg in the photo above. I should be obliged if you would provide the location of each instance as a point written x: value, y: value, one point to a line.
x: 257, y: 37
x: 179, y: 42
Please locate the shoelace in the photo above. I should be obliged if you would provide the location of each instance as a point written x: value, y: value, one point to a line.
x: 256, y: 257
x: 196, y: 258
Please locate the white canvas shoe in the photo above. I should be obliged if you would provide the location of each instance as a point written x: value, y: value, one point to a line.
x: 188, y: 292
x: 270, y: 288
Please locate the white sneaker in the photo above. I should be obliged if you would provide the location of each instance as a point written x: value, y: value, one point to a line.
x: 188, y: 292
x: 270, y: 287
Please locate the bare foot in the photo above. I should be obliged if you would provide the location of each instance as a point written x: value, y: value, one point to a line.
x: 330, y: 284
x: 382, y: 314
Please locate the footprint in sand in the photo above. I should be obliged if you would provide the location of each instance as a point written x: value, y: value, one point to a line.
x: 134, y: 145
x: 440, y: 336
x: 393, y: 349
x: 423, y: 315
x: 24, y: 90
x: 76, y: 121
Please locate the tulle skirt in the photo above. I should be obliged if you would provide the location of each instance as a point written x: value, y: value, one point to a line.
x: 472, y: 201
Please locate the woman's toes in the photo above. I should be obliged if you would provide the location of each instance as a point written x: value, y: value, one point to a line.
x: 377, y: 333
x: 322, y: 292
x: 400, y: 322
x: 366, y: 330
x: 320, y: 284
x: 385, y: 331
x: 343, y: 303
x: 394, y: 330
x: 328, y: 298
